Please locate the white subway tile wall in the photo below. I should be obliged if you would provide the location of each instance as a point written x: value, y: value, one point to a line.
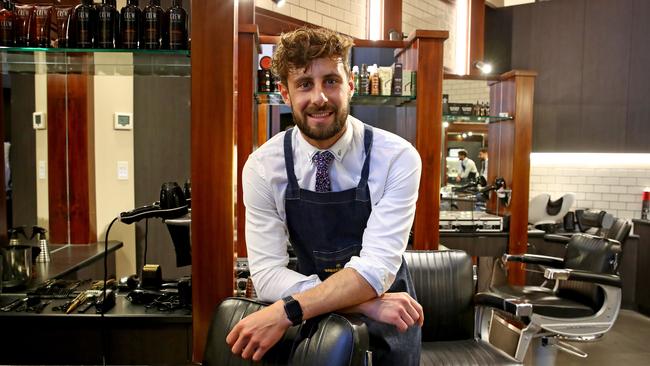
x: 612, y: 183
x: 431, y: 15
x: 345, y: 16
x: 466, y: 91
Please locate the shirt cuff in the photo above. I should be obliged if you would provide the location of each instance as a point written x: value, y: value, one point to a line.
x: 302, y: 286
x: 379, y: 277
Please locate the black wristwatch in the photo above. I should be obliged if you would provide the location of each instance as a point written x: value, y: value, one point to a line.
x: 293, y: 310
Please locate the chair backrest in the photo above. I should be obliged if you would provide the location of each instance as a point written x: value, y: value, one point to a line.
x: 330, y: 340
x: 593, y: 254
x: 445, y: 289
x: 619, y: 231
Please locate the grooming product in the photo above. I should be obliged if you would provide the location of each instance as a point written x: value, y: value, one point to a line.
x: 374, y: 80
x: 14, y: 239
x: 645, y: 204
x: 41, y: 26
x: 177, y: 23
x: 407, y: 83
x: 107, y: 24
x: 7, y: 24
x: 130, y: 25
x: 85, y: 16
x: 355, y: 79
x: 364, y: 80
x: 385, y: 80
x: 44, y: 255
x: 23, y: 18
x: 397, y: 78
x: 63, y: 25
x: 153, y: 26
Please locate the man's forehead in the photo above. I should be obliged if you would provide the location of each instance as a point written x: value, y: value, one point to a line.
x: 337, y: 62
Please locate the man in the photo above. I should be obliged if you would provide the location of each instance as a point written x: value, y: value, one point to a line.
x: 467, y: 166
x: 483, y: 155
x: 344, y: 195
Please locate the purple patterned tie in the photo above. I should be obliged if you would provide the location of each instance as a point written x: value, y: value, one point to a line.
x: 322, y: 160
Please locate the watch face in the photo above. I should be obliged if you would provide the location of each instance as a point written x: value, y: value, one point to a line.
x: 293, y: 310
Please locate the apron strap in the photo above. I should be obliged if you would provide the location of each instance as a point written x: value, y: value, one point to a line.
x: 293, y: 189
x: 362, y: 193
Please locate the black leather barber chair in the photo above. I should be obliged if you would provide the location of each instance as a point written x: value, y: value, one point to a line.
x: 597, y: 223
x: 445, y: 288
x: 582, y: 305
x: 331, y: 340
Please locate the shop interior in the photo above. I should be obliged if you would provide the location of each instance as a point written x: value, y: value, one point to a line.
x: 122, y: 230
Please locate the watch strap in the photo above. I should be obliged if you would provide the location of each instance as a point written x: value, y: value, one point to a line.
x: 293, y: 310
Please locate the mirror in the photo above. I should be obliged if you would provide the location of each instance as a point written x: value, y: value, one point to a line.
x: 465, y: 140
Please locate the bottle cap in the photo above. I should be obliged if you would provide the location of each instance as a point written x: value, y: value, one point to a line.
x: 646, y: 194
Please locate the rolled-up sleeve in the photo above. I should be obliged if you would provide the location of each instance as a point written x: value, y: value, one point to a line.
x: 386, y: 234
x: 267, y: 239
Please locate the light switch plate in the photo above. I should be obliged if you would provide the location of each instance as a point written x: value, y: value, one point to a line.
x: 123, y: 121
x: 39, y: 120
x: 122, y: 170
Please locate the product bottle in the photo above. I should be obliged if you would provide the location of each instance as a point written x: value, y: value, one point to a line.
x: 106, y: 24
x: 645, y: 204
x: 23, y: 18
x: 85, y: 18
x: 153, y: 25
x: 63, y: 23
x: 44, y: 255
x: 177, y: 26
x: 131, y: 25
x: 7, y: 24
x: 364, y: 80
x: 355, y: 76
x: 374, y: 81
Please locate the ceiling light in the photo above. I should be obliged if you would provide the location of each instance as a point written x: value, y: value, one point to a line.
x: 445, y: 124
x: 279, y: 3
x: 485, y: 67
x: 464, y: 135
x: 470, y: 133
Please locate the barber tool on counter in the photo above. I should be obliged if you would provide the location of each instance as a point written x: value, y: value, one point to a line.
x: 44, y: 255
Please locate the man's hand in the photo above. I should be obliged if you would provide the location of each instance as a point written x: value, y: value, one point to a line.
x: 397, y: 308
x: 458, y: 179
x: 254, y: 335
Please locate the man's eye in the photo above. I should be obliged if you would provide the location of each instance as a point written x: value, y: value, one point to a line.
x: 331, y: 82
x: 304, y: 85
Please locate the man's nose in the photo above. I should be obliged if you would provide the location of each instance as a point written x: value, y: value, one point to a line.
x: 318, y: 96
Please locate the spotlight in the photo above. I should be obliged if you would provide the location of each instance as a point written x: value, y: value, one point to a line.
x: 445, y: 124
x: 470, y: 133
x: 279, y: 3
x: 485, y: 67
x: 464, y: 135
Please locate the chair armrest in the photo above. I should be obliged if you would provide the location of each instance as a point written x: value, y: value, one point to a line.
x: 582, y: 276
x: 544, y: 260
x: 557, y: 238
x: 513, y: 306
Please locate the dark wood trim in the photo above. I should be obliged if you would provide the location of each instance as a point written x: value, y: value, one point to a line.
x: 246, y: 12
x: 476, y: 34
x: 421, y: 34
x: 460, y: 127
x: 426, y: 56
x: 214, y: 72
x: 449, y: 76
x: 56, y: 156
x: 379, y: 44
x: 3, y: 197
x: 247, y: 49
x: 392, y: 14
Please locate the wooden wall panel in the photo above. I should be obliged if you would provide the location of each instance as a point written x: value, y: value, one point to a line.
x: 56, y: 155
x: 637, y: 133
x: 476, y: 34
x: 214, y: 68
x: 392, y: 14
x: 23, y: 150
x: 161, y: 140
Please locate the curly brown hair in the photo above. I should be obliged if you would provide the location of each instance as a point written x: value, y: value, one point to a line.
x: 297, y: 49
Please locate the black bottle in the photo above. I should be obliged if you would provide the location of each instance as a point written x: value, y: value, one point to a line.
x: 177, y: 26
x: 131, y: 25
x: 7, y: 24
x: 107, y: 21
x: 85, y: 18
x: 153, y: 27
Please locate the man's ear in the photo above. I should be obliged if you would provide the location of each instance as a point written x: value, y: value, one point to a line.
x: 351, y: 83
x: 284, y: 91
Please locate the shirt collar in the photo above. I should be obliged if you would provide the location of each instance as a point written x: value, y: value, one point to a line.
x: 340, y: 147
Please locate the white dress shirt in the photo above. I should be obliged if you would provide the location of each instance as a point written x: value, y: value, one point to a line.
x: 470, y: 167
x: 393, y: 181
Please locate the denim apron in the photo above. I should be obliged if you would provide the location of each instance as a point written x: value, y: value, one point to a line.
x: 326, y: 230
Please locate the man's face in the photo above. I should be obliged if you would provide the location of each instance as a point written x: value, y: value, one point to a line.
x: 461, y: 157
x: 319, y: 97
x: 482, y: 155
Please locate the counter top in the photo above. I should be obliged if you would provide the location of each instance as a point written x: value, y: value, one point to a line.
x: 68, y: 258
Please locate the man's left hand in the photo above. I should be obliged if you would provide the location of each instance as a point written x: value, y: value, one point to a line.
x: 254, y: 335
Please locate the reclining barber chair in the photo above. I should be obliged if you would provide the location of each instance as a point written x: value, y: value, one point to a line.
x: 582, y: 305
x: 445, y: 288
x: 330, y: 340
x: 597, y: 223
x: 545, y: 214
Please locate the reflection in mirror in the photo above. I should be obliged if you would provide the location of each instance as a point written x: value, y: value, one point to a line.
x: 465, y: 140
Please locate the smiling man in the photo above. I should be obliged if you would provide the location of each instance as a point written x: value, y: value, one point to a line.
x: 343, y: 195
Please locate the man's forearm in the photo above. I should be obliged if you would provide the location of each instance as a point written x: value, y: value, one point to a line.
x: 342, y: 290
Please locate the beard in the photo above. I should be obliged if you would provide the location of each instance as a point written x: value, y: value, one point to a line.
x: 321, y: 132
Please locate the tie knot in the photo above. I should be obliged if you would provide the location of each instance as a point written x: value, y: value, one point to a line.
x: 323, y: 158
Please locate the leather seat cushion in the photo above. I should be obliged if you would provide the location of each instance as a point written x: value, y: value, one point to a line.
x: 466, y: 352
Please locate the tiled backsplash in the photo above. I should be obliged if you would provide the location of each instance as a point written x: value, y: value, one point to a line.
x: 466, y: 91
x: 610, y: 182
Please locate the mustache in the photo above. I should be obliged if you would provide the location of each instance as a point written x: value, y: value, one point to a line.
x: 326, y: 108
